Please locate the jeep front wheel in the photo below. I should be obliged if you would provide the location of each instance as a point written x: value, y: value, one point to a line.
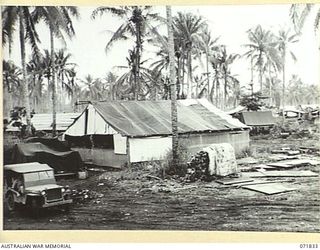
x: 34, y: 206
x: 10, y: 202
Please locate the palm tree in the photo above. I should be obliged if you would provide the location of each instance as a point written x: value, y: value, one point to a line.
x: 299, y: 14
x: 207, y: 45
x: 224, y: 61
x: 136, y: 24
x: 92, y: 89
x: 36, y: 71
x: 65, y: 74
x: 261, y: 42
x: 174, y: 113
x: 284, y: 40
x: 58, y: 19
x: 188, y: 28
x: 11, y: 82
x: 215, y: 88
x: 125, y: 84
x: 21, y: 16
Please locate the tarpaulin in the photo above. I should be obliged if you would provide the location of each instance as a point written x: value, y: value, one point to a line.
x: 67, y: 161
x: 222, y: 160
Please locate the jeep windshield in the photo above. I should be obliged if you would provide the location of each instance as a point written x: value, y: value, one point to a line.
x: 39, y: 178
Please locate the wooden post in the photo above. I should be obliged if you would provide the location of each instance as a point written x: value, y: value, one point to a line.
x: 128, y: 152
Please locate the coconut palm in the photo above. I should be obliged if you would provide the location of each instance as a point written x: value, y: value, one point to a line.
x: 20, y: 16
x: 58, y: 19
x: 36, y: 71
x: 174, y: 113
x: 136, y: 24
x: 284, y: 39
x: 65, y: 74
x: 224, y: 62
x: 208, y: 46
x: 300, y: 12
x: 92, y: 89
x: 125, y: 84
x: 187, y: 28
x: 261, y: 42
x: 214, y: 95
x: 11, y: 83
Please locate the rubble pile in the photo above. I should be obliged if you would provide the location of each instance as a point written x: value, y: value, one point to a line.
x: 83, y: 195
x: 198, y: 167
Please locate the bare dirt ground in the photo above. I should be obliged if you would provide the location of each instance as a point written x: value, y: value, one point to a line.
x: 130, y: 200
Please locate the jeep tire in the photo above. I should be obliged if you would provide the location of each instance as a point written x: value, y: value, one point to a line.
x: 10, y: 202
x: 34, y: 206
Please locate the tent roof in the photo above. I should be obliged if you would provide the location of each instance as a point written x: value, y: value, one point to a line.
x: 147, y: 118
x: 27, y: 167
x: 258, y: 118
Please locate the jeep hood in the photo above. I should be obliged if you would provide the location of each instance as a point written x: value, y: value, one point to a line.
x: 42, y: 187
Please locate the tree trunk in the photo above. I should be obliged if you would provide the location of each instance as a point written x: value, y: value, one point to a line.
x: 138, y: 51
x: 179, y: 76
x: 174, y: 113
x: 225, y: 91
x: 25, y: 86
x: 270, y: 86
x: 208, y: 78
x: 53, y: 85
x: 183, y: 73
x: 189, y: 76
x: 260, y: 78
x: 283, y: 80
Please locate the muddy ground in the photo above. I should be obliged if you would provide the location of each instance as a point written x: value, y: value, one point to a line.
x: 132, y: 200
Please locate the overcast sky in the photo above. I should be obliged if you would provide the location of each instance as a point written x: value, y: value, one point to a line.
x: 229, y: 22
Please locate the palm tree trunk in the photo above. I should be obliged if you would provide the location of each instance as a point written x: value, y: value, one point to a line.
x: 138, y: 51
x: 183, y: 73
x: 174, y: 113
x: 53, y: 85
x: 260, y: 78
x: 208, y: 78
x: 189, y: 76
x: 225, y: 91
x: 270, y: 86
x: 283, y: 80
x: 25, y: 86
x: 179, y: 76
x: 251, y: 82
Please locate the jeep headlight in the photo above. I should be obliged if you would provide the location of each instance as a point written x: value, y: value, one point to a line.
x: 63, y: 190
x: 43, y: 193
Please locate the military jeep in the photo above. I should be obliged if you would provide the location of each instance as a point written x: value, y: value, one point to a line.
x: 33, y: 185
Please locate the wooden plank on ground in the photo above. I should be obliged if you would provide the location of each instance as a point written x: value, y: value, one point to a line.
x: 290, y: 164
x: 255, y: 182
x: 270, y: 188
x: 229, y: 181
x: 284, y: 173
x: 263, y: 166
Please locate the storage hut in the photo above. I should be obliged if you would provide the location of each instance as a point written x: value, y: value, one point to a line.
x: 114, y: 133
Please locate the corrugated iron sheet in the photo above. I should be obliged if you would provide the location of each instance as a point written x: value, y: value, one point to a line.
x: 146, y: 118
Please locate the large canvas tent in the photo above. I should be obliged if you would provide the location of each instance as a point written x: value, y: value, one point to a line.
x: 112, y: 133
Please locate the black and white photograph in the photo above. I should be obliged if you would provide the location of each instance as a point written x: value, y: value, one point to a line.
x: 191, y: 117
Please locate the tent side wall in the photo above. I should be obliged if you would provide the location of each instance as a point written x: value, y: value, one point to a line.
x: 149, y: 148
x: 102, y: 157
x: 156, y: 148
